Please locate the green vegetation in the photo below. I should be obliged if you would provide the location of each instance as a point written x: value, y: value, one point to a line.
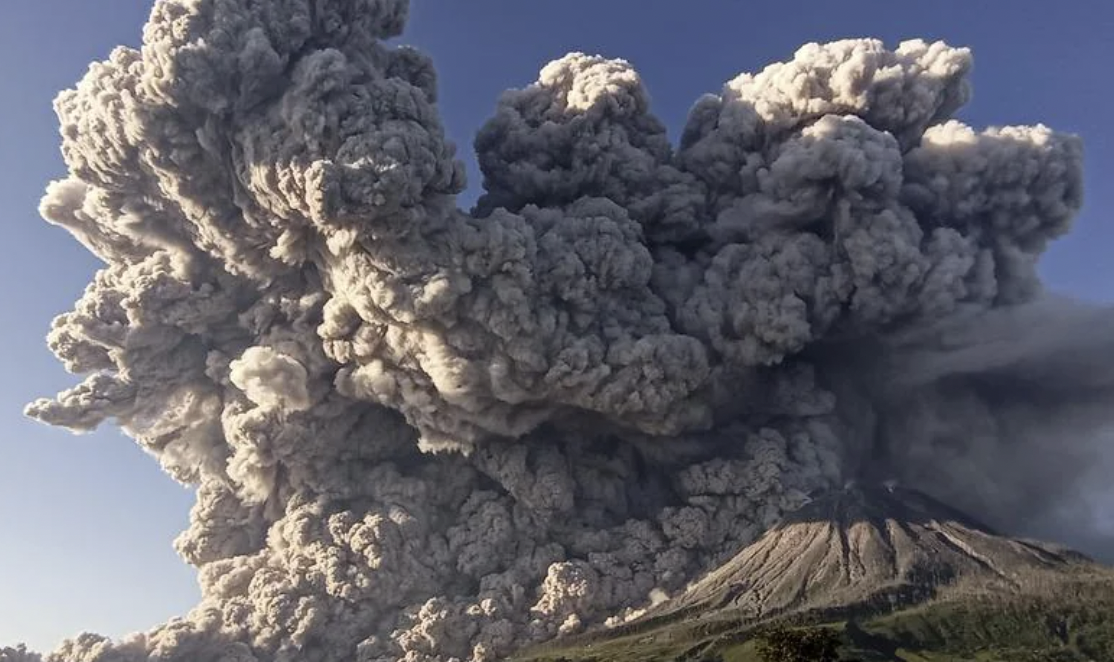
x: 1073, y: 624
x: 783, y: 644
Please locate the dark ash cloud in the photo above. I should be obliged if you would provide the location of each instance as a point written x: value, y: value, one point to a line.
x: 427, y: 434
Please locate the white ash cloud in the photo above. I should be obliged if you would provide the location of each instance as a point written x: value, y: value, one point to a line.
x: 427, y: 434
x: 270, y: 378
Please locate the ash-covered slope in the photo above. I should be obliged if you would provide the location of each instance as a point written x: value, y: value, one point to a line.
x: 876, y: 546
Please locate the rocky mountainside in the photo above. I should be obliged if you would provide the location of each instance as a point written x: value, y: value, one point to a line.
x: 892, y: 569
x: 875, y: 545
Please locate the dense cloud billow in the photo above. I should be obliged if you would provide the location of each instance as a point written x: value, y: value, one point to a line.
x: 427, y: 434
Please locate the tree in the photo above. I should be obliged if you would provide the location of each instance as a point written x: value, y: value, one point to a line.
x: 781, y: 644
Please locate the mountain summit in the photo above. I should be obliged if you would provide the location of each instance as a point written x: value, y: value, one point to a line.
x: 875, y: 547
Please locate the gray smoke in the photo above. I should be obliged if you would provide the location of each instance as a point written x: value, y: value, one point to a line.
x: 18, y: 654
x: 424, y: 434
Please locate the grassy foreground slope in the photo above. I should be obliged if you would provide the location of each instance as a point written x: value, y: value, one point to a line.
x: 1072, y: 624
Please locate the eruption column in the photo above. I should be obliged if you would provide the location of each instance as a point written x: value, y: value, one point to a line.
x: 427, y: 434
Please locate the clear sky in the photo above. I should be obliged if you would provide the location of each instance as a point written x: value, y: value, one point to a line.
x: 87, y: 522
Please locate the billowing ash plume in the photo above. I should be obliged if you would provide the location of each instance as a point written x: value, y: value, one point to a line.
x: 424, y: 434
x: 18, y: 654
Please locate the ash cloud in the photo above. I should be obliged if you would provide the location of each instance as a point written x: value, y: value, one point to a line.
x: 428, y: 434
x: 18, y: 654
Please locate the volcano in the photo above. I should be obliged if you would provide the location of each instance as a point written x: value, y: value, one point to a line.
x: 895, y: 567
x: 876, y: 546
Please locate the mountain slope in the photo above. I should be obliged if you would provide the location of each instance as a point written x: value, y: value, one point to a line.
x: 874, y: 546
x: 894, y: 570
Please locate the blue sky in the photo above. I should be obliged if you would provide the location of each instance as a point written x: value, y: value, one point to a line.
x: 88, y: 521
